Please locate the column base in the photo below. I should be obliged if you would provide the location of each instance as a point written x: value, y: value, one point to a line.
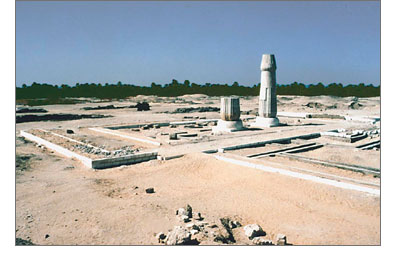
x: 228, y: 126
x: 265, y: 122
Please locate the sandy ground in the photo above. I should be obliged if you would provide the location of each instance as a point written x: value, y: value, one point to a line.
x: 61, y: 202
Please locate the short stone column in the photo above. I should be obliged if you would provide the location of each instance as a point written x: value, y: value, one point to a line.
x: 267, y: 94
x: 230, y: 116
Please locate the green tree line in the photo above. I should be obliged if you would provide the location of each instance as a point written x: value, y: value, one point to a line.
x: 175, y: 88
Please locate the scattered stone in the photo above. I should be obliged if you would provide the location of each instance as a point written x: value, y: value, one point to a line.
x: 197, y: 216
x: 184, y: 218
x: 156, y: 126
x: 161, y: 237
x: 194, y: 232
x: 181, y: 211
x: 136, y: 129
x: 354, y: 105
x: 201, y: 224
x: 150, y: 190
x: 212, y: 234
x: 144, y: 106
x: 253, y: 230
x: 261, y: 241
x: 314, y: 105
x: 184, y: 214
x: 225, y: 232
x: 173, y: 126
x: 332, y: 106
x: 69, y: 131
x: 178, y: 236
x: 188, y: 209
x: 192, y: 226
x: 234, y: 224
x: 173, y: 136
x: 281, y: 239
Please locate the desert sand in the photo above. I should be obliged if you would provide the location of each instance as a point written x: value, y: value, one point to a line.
x: 59, y: 201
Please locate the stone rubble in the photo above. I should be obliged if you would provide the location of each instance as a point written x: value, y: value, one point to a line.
x: 193, y: 230
x: 253, y: 230
x: 161, y: 237
x: 234, y: 224
x: 281, y: 239
x: 125, y: 150
x: 150, y: 190
x: 261, y: 241
x: 178, y: 236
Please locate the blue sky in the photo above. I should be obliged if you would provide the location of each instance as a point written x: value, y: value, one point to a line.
x: 216, y: 42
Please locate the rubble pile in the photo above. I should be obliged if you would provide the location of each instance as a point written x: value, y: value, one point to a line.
x: 125, y: 150
x: 193, y: 230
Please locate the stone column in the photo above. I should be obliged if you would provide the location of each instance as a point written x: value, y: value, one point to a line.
x: 267, y: 94
x: 230, y: 109
x: 230, y: 116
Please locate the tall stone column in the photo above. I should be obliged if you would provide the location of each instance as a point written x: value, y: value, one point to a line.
x: 267, y: 94
x: 230, y: 116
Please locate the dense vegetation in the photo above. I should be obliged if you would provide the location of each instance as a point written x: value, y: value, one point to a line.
x: 119, y: 90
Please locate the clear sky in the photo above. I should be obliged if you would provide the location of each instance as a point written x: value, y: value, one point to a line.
x: 216, y: 42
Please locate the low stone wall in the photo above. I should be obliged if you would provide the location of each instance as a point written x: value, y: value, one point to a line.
x: 125, y: 160
x: 63, y: 151
x: 307, y: 177
x: 97, y: 163
x: 280, y: 140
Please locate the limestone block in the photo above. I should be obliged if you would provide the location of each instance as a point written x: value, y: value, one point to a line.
x: 281, y: 239
x: 178, y: 236
x: 253, y: 230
